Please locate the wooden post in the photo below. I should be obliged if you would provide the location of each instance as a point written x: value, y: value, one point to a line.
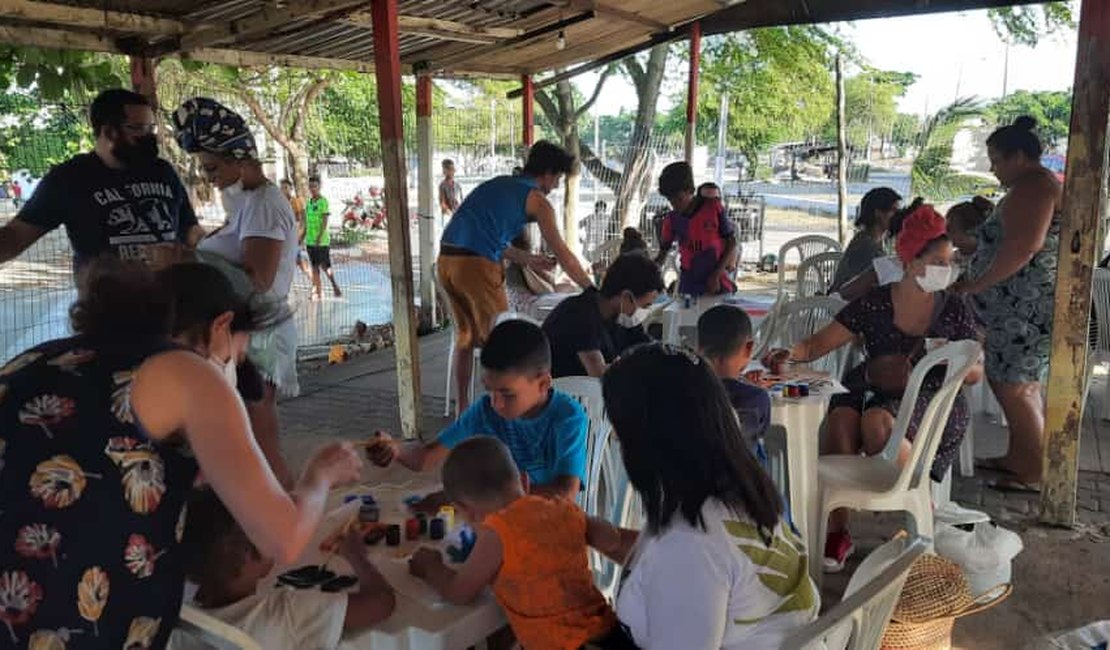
x: 841, y: 156
x: 427, y: 203
x: 142, y: 78
x: 692, y: 90
x: 1084, y: 187
x: 387, y: 70
x: 528, y: 97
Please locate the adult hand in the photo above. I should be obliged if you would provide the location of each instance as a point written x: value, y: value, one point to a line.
x: 424, y: 561
x: 542, y: 263
x: 160, y: 256
x: 382, y: 449
x: 774, y: 360
x: 334, y: 465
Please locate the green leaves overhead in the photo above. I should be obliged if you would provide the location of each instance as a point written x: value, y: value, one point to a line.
x: 1026, y: 25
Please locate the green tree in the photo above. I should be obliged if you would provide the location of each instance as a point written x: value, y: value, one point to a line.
x: 1052, y: 110
x: 36, y: 134
x: 871, y: 106
x: 932, y: 174
x: 1027, y: 24
x: 778, y: 84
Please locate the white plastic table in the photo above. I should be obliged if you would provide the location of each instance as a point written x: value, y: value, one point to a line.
x: 801, y: 417
x: 420, y: 620
x: 677, y: 315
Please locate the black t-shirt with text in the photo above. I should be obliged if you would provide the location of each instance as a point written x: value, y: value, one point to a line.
x: 116, y: 211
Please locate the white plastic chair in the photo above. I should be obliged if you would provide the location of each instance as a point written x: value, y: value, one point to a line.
x: 876, y: 483
x: 816, y: 273
x: 587, y: 392
x: 803, y: 248
x: 1100, y: 353
x: 797, y: 320
x: 212, y: 631
x: 859, y: 620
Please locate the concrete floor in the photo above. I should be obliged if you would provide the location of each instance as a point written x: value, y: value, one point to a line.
x: 1061, y: 579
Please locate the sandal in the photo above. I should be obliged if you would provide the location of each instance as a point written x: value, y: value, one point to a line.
x: 1015, y: 486
x: 993, y: 465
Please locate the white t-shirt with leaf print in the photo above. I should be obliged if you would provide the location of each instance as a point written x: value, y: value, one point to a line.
x: 722, y: 587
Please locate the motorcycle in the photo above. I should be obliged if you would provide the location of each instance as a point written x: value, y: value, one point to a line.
x: 365, y: 213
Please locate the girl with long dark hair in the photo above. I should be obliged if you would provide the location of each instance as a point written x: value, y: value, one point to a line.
x: 716, y: 566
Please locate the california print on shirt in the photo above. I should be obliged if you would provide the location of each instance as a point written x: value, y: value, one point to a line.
x: 138, y: 214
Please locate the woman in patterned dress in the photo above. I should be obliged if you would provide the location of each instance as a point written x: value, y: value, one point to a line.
x: 101, y: 435
x: 1014, y: 278
x: 893, y: 322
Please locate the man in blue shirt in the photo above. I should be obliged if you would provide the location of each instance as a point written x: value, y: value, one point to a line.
x: 478, y: 236
x: 545, y: 430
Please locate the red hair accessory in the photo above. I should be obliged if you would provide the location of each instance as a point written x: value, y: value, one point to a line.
x: 920, y: 227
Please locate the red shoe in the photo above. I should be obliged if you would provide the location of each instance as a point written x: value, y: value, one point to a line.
x: 838, y: 548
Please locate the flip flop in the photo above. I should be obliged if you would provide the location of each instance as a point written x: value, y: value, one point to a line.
x: 992, y: 465
x: 1013, y: 485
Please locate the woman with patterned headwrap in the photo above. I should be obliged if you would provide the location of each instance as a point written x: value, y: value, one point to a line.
x: 260, y: 236
x: 893, y: 322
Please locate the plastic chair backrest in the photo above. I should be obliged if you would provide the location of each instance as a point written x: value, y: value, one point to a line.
x: 1101, y: 297
x: 605, y: 252
x: 214, y: 632
x: 797, y: 320
x: 957, y: 358
x: 612, y: 499
x: 867, y: 609
x: 816, y: 273
x: 587, y: 392
x: 805, y: 247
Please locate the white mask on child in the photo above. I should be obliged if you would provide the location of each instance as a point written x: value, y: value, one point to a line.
x: 936, y: 278
x: 635, y: 319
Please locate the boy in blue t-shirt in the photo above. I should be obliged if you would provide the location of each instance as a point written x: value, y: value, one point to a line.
x: 725, y: 340
x: 544, y: 429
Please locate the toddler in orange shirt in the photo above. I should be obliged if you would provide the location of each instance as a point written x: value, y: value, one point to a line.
x: 532, y: 550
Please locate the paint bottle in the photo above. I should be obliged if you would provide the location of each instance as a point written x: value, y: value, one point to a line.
x: 448, y: 514
x: 369, y: 513
x: 422, y: 518
x: 393, y: 535
x: 437, y: 528
x: 412, y: 528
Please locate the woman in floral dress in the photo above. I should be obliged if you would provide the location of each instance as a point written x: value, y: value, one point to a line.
x: 1013, y: 286
x: 101, y: 435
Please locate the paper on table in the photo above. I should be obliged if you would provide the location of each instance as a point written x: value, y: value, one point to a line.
x: 396, y: 573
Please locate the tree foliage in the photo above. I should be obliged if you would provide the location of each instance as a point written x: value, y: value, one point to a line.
x: 778, y: 83
x: 1052, y: 110
x: 932, y: 174
x: 871, y: 106
x: 1027, y: 24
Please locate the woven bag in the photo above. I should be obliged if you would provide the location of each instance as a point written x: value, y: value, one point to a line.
x: 936, y: 593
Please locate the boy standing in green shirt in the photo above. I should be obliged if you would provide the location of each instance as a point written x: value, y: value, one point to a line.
x: 317, y: 239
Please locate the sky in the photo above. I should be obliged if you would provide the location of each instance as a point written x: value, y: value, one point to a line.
x: 948, y: 52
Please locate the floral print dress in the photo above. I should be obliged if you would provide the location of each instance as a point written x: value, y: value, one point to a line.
x: 1017, y: 312
x: 91, y: 512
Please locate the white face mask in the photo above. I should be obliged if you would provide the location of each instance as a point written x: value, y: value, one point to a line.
x: 232, y: 198
x: 228, y: 368
x: 635, y: 319
x: 936, y: 278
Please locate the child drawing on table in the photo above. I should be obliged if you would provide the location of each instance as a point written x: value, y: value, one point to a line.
x: 227, y: 569
x: 544, y: 429
x: 725, y: 340
x: 531, y: 550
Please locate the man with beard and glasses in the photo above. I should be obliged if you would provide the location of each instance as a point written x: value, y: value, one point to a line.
x: 121, y: 199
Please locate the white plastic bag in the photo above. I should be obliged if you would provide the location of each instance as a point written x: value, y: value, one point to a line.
x: 1095, y: 636
x: 985, y: 553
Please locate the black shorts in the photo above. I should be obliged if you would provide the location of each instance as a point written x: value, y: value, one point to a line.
x: 319, y: 256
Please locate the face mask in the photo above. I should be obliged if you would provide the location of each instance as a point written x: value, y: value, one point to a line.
x: 936, y: 278
x: 228, y: 368
x: 142, y: 151
x: 635, y: 319
x: 232, y: 198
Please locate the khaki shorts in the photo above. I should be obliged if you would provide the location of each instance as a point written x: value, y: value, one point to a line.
x: 476, y: 288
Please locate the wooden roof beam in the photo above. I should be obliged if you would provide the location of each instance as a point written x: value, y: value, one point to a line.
x: 609, y: 11
x: 450, y: 60
x: 444, y: 30
x: 69, y: 16
x: 247, y: 58
x: 56, y: 39
x: 268, y: 18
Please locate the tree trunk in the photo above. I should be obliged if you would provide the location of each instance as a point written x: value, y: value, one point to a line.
x: 568, y: 130
x: 842, y: 156
x: 632, y: 184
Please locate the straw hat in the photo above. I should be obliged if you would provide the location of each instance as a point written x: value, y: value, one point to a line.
x: 936, y: 593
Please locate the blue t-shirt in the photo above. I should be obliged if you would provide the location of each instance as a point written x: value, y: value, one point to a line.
x: 753, y: 407
x: 550, y: 445
x: 490, y: 216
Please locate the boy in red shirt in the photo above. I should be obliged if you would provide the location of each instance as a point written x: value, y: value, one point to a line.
x: 705, y: 236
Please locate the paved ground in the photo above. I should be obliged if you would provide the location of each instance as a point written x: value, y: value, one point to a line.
x: 1061, y: 579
